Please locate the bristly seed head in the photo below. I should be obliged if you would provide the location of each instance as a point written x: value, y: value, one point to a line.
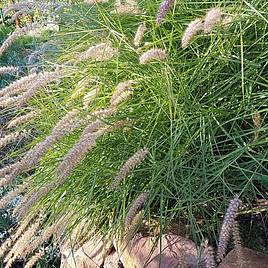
x: 22, y: 119
x: 139, y: 35
x: 129, y: 165
x: 99, y: 52
x: 163, y: 10
x: 227, y: 227
x: 153, y: 55
x: 34, y: 259
x: 191, y: 31
x: 212, y: 19
x: 135, y: 208
x: 8, y: 70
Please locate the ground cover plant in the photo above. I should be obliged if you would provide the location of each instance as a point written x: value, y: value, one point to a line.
x: 139, y: 107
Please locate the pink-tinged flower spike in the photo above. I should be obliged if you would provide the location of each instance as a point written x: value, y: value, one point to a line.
x: 139, y: 35
x: 129, y: 165
x: 227, y: 227
x: 14, y: 36
x: 22, y: 119
x: 191, y: 31
x: 212, y: 19
x: 163, y: 10
x: 135, y: 208
x: 153, y: 55
x: 34, y: 259
x: 8, y: 70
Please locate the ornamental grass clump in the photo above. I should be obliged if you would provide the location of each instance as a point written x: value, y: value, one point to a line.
x: 189, y: 109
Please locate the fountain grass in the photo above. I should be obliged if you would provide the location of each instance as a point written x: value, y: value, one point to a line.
x: 193, y: 111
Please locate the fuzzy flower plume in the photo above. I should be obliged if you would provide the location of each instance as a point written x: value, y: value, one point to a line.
x: 103, y: 113
x: 39, y: 240
x: 6, y: 200
x: 29, y: 86
x: 42, y: 80
x: 22, y: 119
x: 212, y: 19
x: 129, y: 165
x: 139, y: 35
x: 41, y: 28
x: 208, y: 256
x: 16, y: 7
x: 99, y: 52
x: 18, y: 14
x: 22, y: 243
x: 227, y: 227
x: 34, y: 259
x: 153, y: 55
x: 163, y: 10
x: 191, y: 31
x: 44, y: 236
x: 9, y: 102
x: 18, y: 86
x: 30, y: 200
x: 66, y: 125
x: 122, y: 91
x: 135, y: 208
x: 129, y: 7
x: 20, y: 230
x: 14, y: 137
x: 86, y: 142
x: 227, y: 21
x: 6, y: 170
x: 13, y: 37
x: 83, y: 85
x: 8, y: 70
x: 5, y: 246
